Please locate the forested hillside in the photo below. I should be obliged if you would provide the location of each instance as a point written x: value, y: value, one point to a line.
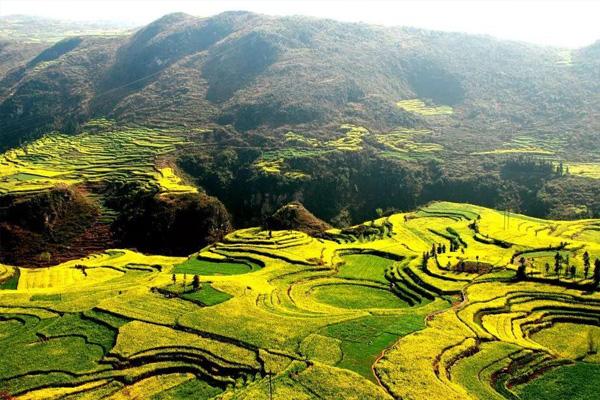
x: 345, y: 118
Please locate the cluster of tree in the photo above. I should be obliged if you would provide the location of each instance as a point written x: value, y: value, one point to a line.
x: 196, y: 285
x: 439, y: 248
x: 175, y: 225
x: 356, y: 181
x: 563, y: 263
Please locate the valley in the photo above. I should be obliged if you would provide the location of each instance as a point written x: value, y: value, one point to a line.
x: 429, y: 304
x: 244, y: 206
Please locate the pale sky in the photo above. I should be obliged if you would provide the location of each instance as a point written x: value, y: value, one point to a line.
x: 563, y: 23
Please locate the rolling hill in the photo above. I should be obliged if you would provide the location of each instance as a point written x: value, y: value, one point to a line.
x: 259, y: 72
x: 451, y: 301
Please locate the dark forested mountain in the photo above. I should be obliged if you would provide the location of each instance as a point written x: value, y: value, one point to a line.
x: 343, y: 117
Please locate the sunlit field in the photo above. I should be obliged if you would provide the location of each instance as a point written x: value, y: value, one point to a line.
x: 123, y: 154
x: 282, y: 313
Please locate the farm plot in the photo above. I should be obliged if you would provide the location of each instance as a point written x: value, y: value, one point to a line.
x: 422, y: 305
x: 124, y: 155
x: 418, y: 106
x: 588, y: 170
x: 405, y: 143
x: 277, y: 162
x: 546, y: 147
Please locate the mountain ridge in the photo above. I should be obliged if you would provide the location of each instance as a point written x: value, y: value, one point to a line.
x: 249, y: 63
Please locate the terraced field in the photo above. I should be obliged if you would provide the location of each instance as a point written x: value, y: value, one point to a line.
x: 427, y: 305
x: 298, y: 146
x: 546, y: 147
x: 589, y: 170
x: 99, y: 154
x: 418, y: 106
x: 401, y: 143
x: 406, y: 143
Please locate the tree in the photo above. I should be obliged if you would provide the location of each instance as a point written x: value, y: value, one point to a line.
x: 566, y: 264
x: 196, y: 283
x: 174, y: 279
x: 592, y: 347
x: 557, y: 267
x: 596, y: 272
x: 557, y: 258
x: 522, y: 269
x: 586, y: 257
x: 547, y: 267
x: 586, y: 271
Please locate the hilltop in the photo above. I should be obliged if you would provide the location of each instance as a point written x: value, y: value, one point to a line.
x: 260, y: 72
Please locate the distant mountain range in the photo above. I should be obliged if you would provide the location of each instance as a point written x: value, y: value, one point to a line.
x: 260, y: 73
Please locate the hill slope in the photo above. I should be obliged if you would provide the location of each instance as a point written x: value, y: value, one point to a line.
x: 362, y: 317
x: 260, y: 111
x: 255, y: 72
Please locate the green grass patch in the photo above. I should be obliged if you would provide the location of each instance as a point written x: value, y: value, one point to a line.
x: 573, y: 382
x: 11, y: 283
x: 363, y: 339
x: 207, y: 295
x: 109, y: 319
x: 197, y: 266
x: 46, y: 297
x: 364, y: 267
x: 357, y: 296
x: 73, y: 324
x: 69, y: 354
x: 196, y: 389
x: 8, y: 326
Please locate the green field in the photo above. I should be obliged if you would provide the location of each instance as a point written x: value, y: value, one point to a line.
x: 197, y: 266
x: 300, y: 317
x: 356, y: 296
